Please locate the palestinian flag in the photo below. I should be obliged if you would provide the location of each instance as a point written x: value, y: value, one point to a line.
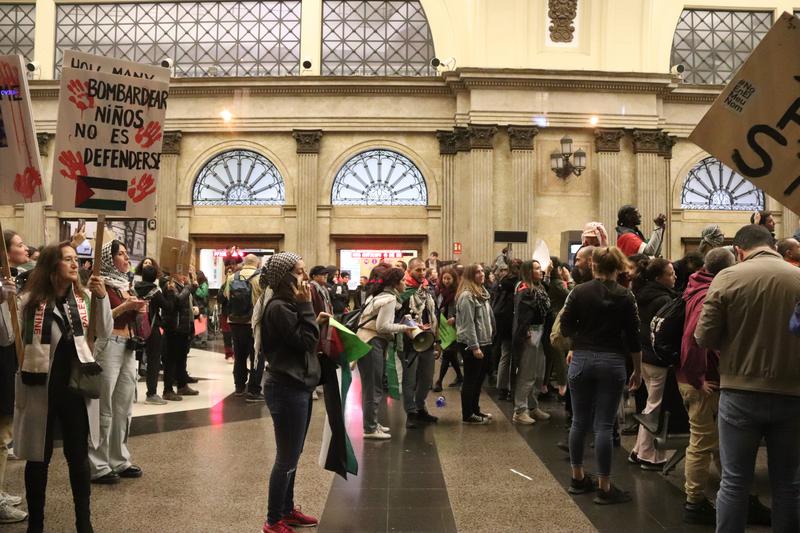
x: 344, y: 347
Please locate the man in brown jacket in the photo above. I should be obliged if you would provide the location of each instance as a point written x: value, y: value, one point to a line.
x: 745, y: 317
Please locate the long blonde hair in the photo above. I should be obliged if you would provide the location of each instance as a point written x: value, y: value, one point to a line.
x: 467, y: 283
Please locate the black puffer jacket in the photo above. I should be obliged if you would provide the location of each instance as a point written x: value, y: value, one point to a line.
x: 179, y: 317
x: 289, y: 340
x: 531, y: 308
x: 650, y: 298
x: 503, y: 306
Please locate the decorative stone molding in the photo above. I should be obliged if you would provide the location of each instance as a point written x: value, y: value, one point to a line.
x: 172, y: 143
x: 666, y: 142
x: 521, y: 137
x: 447, y: 142
x: 480, y: 136
x: 308, y: 141
x: 43, y: 139
x: 562, y: 14
x: 607, y: 140
x: 462, y: 139
x: 647, y: 142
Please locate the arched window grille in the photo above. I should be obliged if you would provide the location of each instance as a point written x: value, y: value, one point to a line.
x: 713, y: 44
x: 379, y: 177
x: 239, y: 177
x: 17, y: 23
x: 376, y: 38
x: 712, y: 185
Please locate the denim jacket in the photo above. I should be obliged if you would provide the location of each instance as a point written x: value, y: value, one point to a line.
x: 475, y: 323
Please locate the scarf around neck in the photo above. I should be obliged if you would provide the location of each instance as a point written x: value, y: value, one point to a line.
x: 111, y: 276
x: 37, y: 332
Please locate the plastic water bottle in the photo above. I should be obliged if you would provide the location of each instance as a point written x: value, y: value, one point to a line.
x: 441, y: 402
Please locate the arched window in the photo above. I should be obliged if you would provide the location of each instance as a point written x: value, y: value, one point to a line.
x: 712, y: 185
x: 379, y: 177
x: 239, y: 177
x: 713, y: 44
x: 376, y: 38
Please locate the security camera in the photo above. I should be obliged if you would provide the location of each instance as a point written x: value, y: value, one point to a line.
x: 435, y: 62
x: 677, y: 70
x: 306, y: 64
x: 32, y: 66
x: 167, y: 62
x: 442, y: 65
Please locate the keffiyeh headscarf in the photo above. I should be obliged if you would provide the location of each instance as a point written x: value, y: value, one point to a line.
x: 712, y: 236
x: 596, y: 230
x: 278, y: 266
x: 111, y: 276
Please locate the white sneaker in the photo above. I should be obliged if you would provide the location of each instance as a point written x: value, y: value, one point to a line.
x: 538, y: 414
x: 10, y: 498
x: 314, y: 395
x: 155, y: 399
x: 385, y: 429
x: 10, y: 514
x: 378, y: 434
x: 523, y: 418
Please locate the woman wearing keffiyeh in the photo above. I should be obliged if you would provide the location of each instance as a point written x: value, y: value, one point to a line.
x: 110, y: 459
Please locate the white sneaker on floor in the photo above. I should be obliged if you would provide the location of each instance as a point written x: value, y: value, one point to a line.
x: 10, y: 514
x: 155, y: 399
x: 314, y: 395
x: 538, y: 414
x: 523, y: 418
x: 385, y: 429
x: 10, y: 498
x: 378, y: 434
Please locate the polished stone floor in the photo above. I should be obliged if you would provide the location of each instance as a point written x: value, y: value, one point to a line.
x: 207, y: 459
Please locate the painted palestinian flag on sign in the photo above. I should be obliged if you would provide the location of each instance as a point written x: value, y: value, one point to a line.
x: 344, y: 347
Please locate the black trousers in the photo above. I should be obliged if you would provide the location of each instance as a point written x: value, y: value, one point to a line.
x: 475, y: 371
x: 153, y: 350
x: 450, y: 358
x: 67, y: 411
x: 176, y: 351
x: 242, y: 354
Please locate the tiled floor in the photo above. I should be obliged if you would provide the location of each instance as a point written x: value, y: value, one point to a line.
x: 207, y: 460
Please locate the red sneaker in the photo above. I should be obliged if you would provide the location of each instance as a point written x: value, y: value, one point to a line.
x: 280, y: 527
x: 298, y: 519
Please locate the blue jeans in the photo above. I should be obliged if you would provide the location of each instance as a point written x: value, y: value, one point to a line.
x: 290, y: 408
x: 596, y: 381
x: 744, y: 419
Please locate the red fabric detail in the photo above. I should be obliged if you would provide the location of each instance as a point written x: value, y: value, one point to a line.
x: 629, y: 243
x: 414, y: 284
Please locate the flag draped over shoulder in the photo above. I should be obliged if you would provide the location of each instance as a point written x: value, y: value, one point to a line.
x: 344, y: 347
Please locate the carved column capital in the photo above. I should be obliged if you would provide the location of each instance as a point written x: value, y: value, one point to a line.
x: 666, y: 142
x: 562, y: 14
x: 462, y: 139
x: 172, y: 143
x: 43, y: 139
x: 447, y: 142
x: 521, y: 137
x: 647, y: 141
x: 308, y: 141
x: 480, y: 136
x: 607, y: 140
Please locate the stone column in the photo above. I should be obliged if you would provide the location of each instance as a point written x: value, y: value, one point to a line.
x: 666, y: 143
x: 482, y: 193
x: 610, y: 195
x: 651, y: 189
x: 447, y: 152
x: 167, y: 193
x: 462, y: 200
x: 308, y: 144
x: 790, y: 222
x: 523, y: 171
x: 33, y: 224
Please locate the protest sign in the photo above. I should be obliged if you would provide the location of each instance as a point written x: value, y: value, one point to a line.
x: 176, y: 256
x: 20, y: 171
x: 754, y: 124
x: 112, y: 65
x: 108, y: 143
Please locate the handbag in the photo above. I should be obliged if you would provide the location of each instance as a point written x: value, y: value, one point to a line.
x: 85, y: 379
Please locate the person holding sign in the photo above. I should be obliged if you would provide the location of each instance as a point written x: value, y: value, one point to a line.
x: 55, y: 318
x: 110, y: 458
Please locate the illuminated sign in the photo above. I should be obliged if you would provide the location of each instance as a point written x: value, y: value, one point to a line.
x: 390, y: 254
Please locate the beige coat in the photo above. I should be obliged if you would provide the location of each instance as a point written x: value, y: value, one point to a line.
x: 746, y: 316
x: 30, y: 407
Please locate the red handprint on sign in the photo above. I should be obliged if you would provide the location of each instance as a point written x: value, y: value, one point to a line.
x: 28, y: 182
x: 9, y: 76
x: 149, y: 134
x: 74, y: 165
x: 142, y: 188
x: 80, y: 97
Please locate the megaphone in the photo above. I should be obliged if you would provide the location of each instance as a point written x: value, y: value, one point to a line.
x: 421, y: 340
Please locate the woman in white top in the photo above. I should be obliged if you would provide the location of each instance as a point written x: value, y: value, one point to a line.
x: 377, y: 326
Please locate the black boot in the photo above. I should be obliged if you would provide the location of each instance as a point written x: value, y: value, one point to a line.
x: 80, y: 481
x: 35, y: 489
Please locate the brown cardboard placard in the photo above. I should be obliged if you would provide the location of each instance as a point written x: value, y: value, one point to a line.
x: 176, y: 256
x: 754, y: 125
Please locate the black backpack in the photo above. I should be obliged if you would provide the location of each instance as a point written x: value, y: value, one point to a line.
x: 240, y: 297
x: 666, y: 331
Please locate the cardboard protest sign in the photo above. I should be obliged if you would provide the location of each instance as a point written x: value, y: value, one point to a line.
x: 112, y: 65
x: 20, y: 171
x: 108, y: 143
x: 754, y: 124
x: 176, y: 256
